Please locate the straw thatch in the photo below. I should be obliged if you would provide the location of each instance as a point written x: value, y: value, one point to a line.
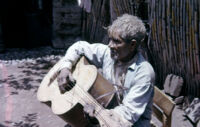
x: 174, y: 41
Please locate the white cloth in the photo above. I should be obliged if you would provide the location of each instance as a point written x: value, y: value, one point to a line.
x: 138, y: 78
x: 85, y: 4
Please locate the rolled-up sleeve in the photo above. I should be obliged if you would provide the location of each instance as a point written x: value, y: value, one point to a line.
x: 94, y: 53
x: 137, y: 98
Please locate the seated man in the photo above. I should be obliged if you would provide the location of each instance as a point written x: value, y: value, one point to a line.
x: 122, y: 65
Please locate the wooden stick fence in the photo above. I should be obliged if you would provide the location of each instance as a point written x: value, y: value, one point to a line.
x: 174, y: 38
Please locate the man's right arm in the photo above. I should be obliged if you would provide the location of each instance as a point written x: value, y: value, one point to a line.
x: 93, y: 52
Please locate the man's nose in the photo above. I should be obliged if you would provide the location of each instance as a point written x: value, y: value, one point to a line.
x: 111, y: 44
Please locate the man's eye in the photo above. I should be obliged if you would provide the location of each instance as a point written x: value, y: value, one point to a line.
x: 115, y: 41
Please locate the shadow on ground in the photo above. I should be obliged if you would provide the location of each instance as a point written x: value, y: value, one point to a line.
x: 30, y: 75
x: 27, y: 121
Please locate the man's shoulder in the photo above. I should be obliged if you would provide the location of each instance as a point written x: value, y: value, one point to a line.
x: 143, y: 66
x: 98, y: 47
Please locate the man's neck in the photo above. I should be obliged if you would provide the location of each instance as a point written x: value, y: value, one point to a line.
x: 128, y: 58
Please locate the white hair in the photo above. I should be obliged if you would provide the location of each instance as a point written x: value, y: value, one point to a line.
x: 129, y: 27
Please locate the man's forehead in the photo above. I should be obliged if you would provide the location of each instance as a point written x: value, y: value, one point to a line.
x: 115, y: 34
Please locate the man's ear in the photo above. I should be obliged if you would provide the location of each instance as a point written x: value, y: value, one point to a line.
x: 133, y: 44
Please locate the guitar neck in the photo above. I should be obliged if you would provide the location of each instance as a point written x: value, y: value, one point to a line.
x: 86, y: 98
x: 100, y: 111
x: 104, y: 116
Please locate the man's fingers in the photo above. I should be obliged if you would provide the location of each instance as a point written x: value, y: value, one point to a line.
x: 71, y: 78
x: 53, y: 77
x: 65, y: 80
x: 62, y: 81
x: 89, y: 109
x: 62, y: 89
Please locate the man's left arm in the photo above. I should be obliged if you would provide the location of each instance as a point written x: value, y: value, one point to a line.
x: 139, y: 95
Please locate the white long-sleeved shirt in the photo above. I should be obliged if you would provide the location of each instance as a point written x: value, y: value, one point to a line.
x: 139, y: 79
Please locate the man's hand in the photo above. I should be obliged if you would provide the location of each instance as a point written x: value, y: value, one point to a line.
x: 89, y: 109
x: 65, y: 80
x: 109, y: 116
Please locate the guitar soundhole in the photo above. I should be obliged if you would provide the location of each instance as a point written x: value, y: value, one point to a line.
x: 68, y: 87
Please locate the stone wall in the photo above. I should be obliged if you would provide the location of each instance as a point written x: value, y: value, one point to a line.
x: 66, y: 23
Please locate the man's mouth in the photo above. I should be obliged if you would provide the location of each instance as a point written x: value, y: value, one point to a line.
x: 113, y: 54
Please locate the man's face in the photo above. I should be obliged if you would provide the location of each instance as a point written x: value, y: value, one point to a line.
x: 121, y: 50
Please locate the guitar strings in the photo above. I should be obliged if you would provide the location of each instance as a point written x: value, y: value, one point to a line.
x: 71, y: 85
x: 94, y: 104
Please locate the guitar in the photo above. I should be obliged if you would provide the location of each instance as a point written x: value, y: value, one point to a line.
x: 70, y: 104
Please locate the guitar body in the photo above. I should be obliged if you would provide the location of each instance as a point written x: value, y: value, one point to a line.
x: 69, y: 105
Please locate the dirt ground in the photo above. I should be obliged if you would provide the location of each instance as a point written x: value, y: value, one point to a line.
x: 19, y: 81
